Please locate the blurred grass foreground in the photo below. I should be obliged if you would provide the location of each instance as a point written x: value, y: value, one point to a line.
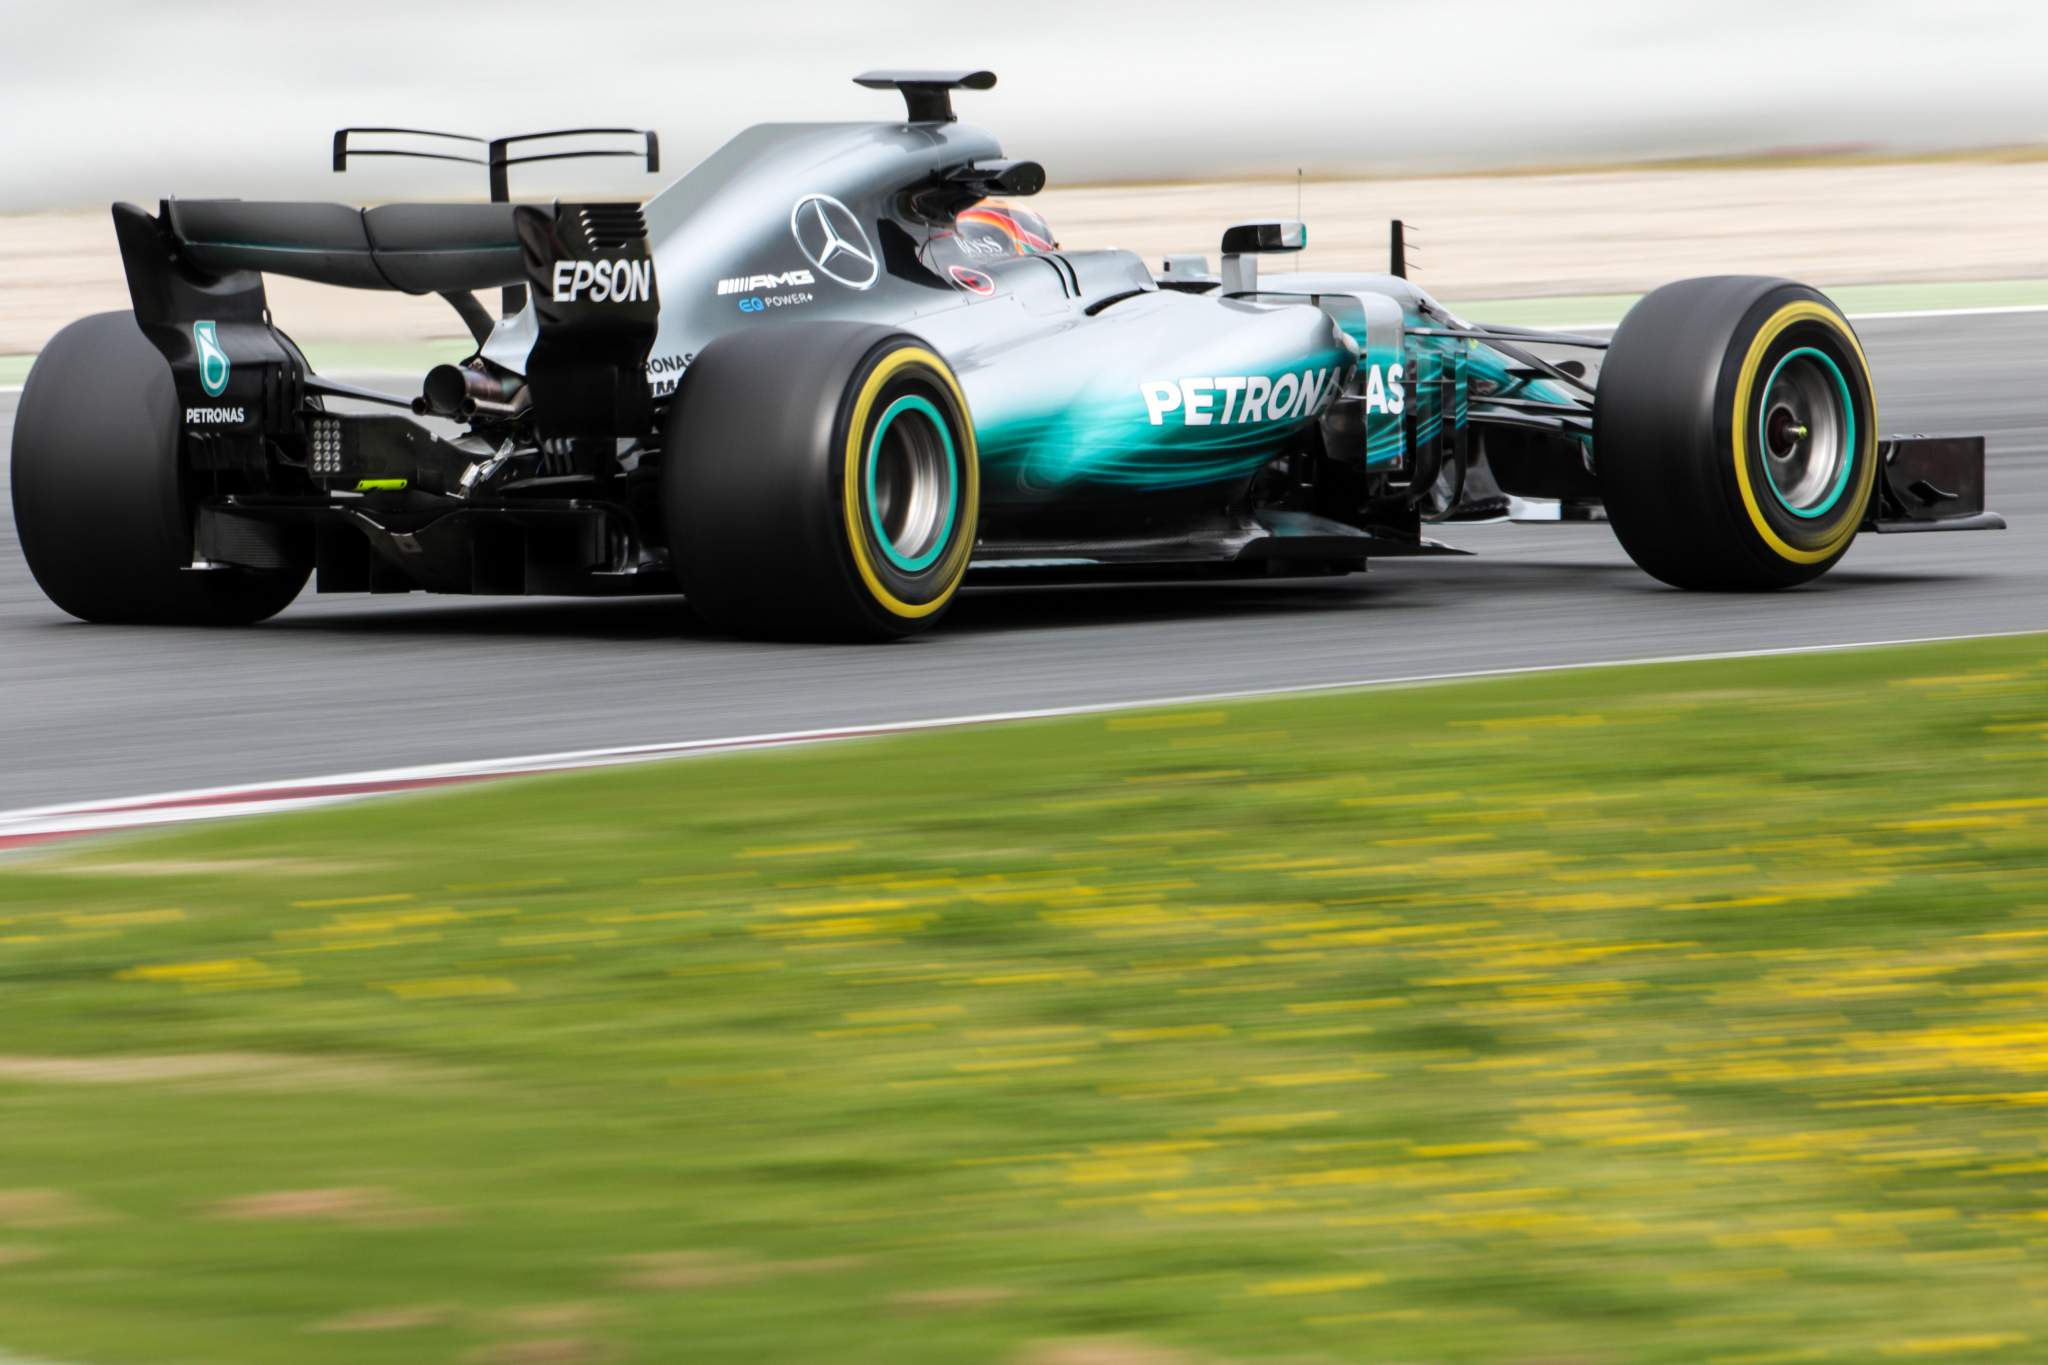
x: 1675, y: 1013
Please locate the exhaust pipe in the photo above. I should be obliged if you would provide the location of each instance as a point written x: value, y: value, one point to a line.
x: 473, y: 408
x: 460, y: 392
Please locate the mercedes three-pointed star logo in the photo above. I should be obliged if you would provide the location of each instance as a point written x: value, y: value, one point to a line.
x: 833, y: 240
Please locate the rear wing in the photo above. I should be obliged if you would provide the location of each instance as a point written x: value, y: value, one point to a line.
x: 195, y: 278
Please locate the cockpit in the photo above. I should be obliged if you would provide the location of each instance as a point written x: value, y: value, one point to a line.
x: 985, y: 235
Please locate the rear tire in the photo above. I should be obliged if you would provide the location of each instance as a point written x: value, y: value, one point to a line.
x: 1735, y: 432
x: 104, y: 521
x: 820, y: 483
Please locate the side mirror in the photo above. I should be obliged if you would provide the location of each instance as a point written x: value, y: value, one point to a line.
x: 1245, y: 243
x: 938, y: 199
x: 1003, y: 177
x: 1264, y: 238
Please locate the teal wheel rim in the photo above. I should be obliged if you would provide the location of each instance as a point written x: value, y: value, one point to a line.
x: 912, y: 483
x: 1806, y: 442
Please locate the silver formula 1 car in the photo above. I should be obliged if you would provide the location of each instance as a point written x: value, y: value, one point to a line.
x: 834, y: 369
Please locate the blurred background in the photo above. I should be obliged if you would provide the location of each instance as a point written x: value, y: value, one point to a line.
x: 1538, y: 151
x: 244, y: 96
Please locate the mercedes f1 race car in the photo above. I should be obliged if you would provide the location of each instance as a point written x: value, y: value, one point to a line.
x: 836, y: 368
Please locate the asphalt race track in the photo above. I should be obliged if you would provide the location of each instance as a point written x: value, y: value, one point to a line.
x: 350, y: 683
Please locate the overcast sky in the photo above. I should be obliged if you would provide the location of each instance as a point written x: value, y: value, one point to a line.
x: 105, y: 99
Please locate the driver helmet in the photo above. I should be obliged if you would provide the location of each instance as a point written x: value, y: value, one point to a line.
x: 994, y: 228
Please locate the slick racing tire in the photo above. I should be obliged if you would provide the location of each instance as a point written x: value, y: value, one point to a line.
x: 1735, y: 433
x: 104, y: 518
x: 820, y: 483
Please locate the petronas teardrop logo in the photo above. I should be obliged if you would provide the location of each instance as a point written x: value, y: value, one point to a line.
x: 213, y: 361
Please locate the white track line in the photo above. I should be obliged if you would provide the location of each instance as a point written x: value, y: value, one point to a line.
x: 1992, y: 310
x: 38, y: 823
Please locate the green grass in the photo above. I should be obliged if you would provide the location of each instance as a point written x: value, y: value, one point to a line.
x: 1675, y: 1013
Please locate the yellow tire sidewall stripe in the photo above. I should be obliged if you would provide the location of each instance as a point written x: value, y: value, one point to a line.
x: 1805, y: 310
x: 855, y: 455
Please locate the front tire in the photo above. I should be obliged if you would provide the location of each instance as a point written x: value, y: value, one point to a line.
x: 820, y: 483
x: 1735, y: 432
x: 99, y: 503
